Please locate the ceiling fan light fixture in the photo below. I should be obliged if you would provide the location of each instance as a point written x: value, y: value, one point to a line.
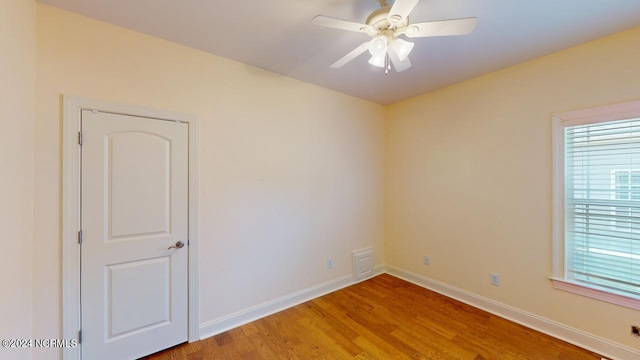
x: 385, y: 24
x: 377, y: 60
x: 402, y: 48
x: 378, y: 46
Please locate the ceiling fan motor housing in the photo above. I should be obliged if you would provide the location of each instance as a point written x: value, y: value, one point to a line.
x: 381, y: 23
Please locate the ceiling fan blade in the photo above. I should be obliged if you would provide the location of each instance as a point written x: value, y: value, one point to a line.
x: 397, y: 63
x: 326, y: 21
x: 350, y: 56
x: 401, y: 10
x: 442, y: 28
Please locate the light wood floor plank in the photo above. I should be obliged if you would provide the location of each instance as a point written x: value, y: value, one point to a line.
x: 382, y: 318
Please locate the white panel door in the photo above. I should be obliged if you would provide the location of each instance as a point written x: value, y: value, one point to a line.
x: 134, y: 207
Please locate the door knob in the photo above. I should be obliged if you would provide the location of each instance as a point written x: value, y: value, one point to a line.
x: 178, y: 245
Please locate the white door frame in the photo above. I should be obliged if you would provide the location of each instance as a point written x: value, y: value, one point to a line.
x: 71, y: 209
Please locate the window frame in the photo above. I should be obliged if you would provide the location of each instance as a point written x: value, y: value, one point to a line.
x: 560, y: 121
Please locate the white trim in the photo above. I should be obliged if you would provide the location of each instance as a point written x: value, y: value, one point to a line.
x: 70, y: 227
x: 194, y: 239
x: 71, y: 206
x: 242, y: 317
x: 571, y: 335
x: 558, y: 198
x: 594, y: 293
x: 623, y: 111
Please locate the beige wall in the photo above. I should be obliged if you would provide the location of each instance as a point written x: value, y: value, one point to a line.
x: 17, y: 41
x: 469, y: 179
x: 290, y: 173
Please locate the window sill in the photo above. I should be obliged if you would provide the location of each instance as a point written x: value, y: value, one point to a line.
x: 601, y: 295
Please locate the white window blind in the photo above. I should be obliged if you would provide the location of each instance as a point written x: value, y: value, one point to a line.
x: 602, y: 205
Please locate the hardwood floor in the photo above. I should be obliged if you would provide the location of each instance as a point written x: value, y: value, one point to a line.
x: 382, y: 318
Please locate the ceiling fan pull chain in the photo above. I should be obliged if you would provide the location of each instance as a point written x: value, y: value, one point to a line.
x: 387, y: 64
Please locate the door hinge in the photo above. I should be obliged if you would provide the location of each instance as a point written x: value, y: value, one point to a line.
x: 80, y: 138
x: 80, y: 237
x: 79, y: 336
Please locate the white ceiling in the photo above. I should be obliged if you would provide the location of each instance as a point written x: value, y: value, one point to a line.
x: 277, y: 35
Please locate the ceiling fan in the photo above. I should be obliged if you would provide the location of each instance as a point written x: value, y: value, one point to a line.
x: 385, y: 25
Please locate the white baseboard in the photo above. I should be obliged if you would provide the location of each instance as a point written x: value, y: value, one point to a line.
x: 240, y: 318
x: 571, y: 335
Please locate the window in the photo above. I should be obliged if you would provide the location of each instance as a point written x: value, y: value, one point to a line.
x: 597, y: 203
x: 626, y: 186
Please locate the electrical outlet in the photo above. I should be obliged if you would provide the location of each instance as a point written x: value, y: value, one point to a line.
x: 426, y: 260
x: 495, y: 279
x: 329, y: 263
x: 635, y: 330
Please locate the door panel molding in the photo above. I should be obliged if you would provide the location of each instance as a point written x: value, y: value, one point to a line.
x: 72, y: 107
